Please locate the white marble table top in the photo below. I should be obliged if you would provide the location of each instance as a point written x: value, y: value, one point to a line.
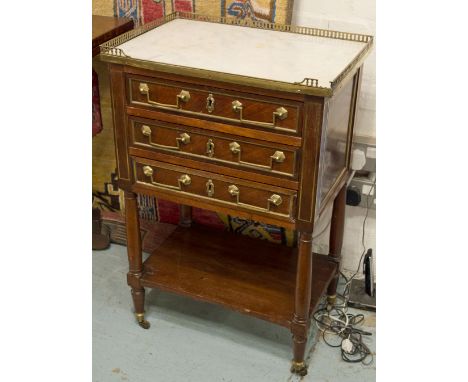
x: 259, y: 53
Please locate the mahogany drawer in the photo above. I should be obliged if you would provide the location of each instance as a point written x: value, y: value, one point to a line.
x: 206, y: 145
x: 222, y: 105
x: 227, y: 191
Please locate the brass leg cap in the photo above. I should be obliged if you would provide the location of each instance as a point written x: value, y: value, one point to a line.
x: 331, y: 299
x: 299, y: 368
x: 141, y: 320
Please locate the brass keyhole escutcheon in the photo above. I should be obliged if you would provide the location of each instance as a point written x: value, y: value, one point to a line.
x: 210, y: 103
x: 210, y: 146
x: 210, y: 188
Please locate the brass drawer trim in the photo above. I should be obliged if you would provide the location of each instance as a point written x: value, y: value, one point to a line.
x: 280, y: 113
x: 278, y: 156
x: 233, y: 190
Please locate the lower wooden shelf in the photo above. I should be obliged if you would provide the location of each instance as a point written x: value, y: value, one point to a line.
x: 248, y: 275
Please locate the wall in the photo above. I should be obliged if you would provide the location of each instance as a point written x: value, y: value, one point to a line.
x: 351, y: 16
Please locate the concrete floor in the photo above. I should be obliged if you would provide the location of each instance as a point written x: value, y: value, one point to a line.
x: 196, y: 341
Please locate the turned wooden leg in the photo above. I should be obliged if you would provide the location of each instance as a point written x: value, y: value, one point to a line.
x: 336, y: 240
x: 135, y: 259
x: 185, y: 216
x: 138, y: 296
x: 300, y: 323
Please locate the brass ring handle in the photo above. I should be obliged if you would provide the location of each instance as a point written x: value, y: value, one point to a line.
x: 275, y: 199
x: 183, y: 96
x: 185, y: 180
x: 182, y: 138
x: 280, y: 113
x: 277, y: 157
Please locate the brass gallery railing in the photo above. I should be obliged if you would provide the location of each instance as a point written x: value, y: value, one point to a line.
x: 110, y: 52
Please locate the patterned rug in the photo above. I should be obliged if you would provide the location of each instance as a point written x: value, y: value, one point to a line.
x: 160, y: 213
x: 143, y: 11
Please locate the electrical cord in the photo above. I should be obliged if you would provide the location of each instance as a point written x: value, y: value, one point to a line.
x: 336, y: 321
x: 363, y: 237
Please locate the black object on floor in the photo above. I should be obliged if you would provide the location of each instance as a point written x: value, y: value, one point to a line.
x: 358, y: 298
x: 101, y: 239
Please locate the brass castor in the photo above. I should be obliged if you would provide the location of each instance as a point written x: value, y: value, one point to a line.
x: 331, y: 300
x: 299, y: 368
x: 141, y: 320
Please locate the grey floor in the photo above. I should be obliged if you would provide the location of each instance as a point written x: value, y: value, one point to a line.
x: 195, y: 341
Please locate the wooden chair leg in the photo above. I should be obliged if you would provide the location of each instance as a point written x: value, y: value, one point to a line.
x: 300, y: 323
x: 185, y: 218
x: 135, y: 259
x: 336, y: 240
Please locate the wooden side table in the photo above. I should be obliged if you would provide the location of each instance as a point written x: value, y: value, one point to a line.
x: 245, y: 118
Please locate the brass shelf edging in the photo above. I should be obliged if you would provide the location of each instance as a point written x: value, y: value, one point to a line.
x: 111, y: 53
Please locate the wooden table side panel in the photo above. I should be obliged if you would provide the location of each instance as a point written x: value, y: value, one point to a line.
x: 313, y: 116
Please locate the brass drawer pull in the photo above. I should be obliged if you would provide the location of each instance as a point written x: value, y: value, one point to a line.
x: 183, y: 179
x: 280, y: 113
x: 233, y: 190
x: 183, y: 138
x: 274, y: 199
x: 183, y: 96
x: 235, y: 147
x: 277, y: 157
x: 148, y: 171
